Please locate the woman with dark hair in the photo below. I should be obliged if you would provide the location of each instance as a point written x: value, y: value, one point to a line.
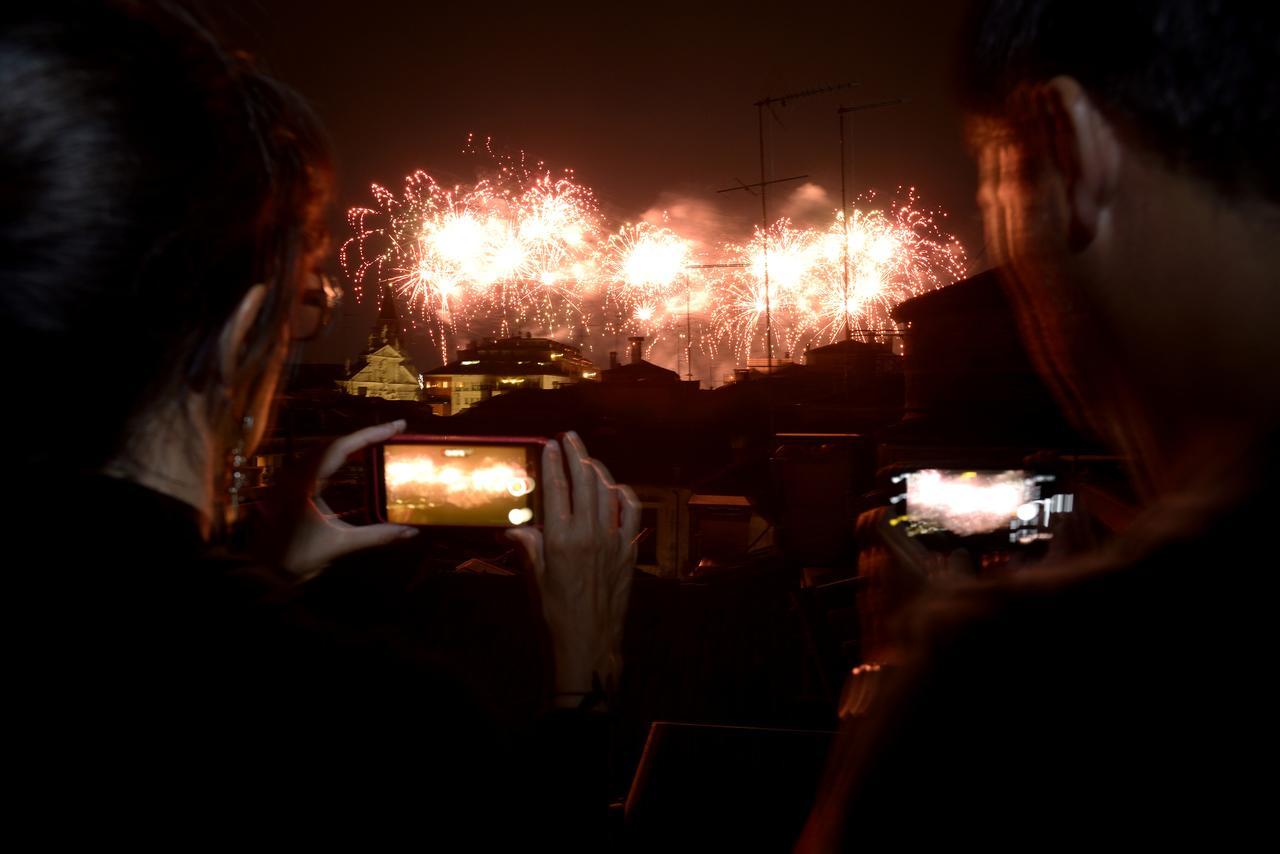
x: 162, y: 235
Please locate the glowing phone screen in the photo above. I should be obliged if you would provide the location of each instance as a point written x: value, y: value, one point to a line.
x: 481, y: 485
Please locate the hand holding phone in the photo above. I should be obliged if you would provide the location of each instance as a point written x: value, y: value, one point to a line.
x: 582, y: 560
x: 299, y: 531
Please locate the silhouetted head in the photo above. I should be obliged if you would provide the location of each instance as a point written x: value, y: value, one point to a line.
x: 1129, y: 183
x: 162, y: 218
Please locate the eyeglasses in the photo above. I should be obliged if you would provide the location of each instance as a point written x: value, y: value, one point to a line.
x: 314, y: 308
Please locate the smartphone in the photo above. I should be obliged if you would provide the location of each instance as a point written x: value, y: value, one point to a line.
x: 977, y: 503
x: 458, y: 481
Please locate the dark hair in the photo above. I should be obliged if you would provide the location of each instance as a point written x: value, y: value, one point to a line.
x: 150, y: 179
x: 1195, y: 80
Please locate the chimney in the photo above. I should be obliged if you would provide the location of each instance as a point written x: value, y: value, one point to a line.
x: 637, y: 347
x: 613, y: 358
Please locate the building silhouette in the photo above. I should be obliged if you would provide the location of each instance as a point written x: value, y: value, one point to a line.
x: 637, y: 371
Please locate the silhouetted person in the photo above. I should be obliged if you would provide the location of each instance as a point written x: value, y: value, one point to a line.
x: 1130, y: 186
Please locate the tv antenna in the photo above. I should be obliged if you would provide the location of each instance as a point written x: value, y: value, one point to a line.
x: 763, y: 184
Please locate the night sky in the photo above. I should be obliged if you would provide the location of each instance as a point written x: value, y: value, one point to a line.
x: 650, y: 104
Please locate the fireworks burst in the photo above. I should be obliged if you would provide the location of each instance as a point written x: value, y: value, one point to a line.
x: 820, y: 281
x: 529, y: 248
x: 892, y: 255
x: 645, y: 266
x: 515, y: 250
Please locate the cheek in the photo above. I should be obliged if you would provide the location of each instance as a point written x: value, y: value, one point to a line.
x: 1005, y: 197
x: 1019, y: 225
x: 994, y: 201
x: 1020, y: 228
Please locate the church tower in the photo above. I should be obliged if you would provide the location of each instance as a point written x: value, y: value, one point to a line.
x: 386, y: 330
x: 384, y: 369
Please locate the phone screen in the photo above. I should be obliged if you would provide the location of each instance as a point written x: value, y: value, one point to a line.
x: 967, y: 503
x: 1018, y: 503
x: 460, y: 484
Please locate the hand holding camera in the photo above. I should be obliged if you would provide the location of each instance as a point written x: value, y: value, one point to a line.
x: 582, y: 561
x: 299, y: 531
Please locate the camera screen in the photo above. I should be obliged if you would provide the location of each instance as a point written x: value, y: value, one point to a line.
x: 450, y: 484
x: 969, y: 503
x: 966, y: 503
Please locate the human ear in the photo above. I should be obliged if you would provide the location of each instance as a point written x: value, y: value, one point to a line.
x: 1086, y: 154
x: 236, y: 330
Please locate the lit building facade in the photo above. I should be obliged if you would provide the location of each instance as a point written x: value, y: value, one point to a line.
x: 487, y: 369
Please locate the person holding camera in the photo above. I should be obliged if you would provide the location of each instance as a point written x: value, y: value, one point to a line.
x: 163, y: 241
x: 1130, y: 191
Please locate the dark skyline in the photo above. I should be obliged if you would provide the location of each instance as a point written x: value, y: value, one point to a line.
x: 651, y: 106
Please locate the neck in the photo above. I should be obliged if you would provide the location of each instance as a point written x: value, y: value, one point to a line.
x: 173, y: 455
